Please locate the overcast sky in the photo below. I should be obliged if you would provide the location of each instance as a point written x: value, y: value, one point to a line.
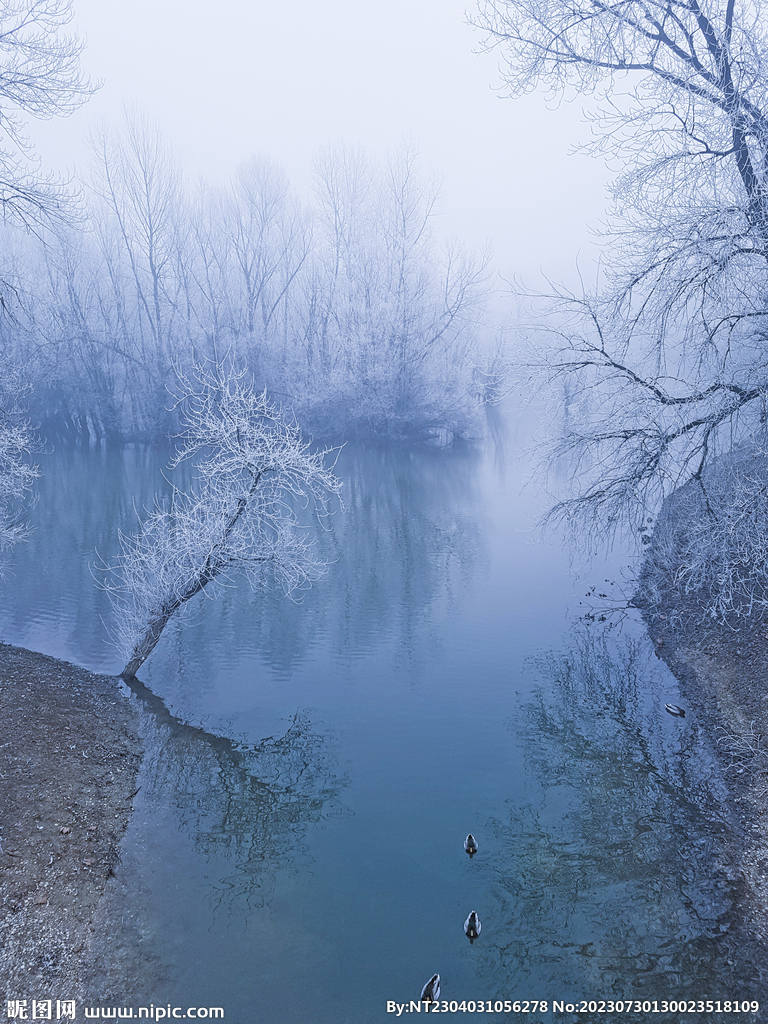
x: 230, y: 78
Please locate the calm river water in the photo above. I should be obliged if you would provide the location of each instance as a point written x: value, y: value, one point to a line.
x: 312, y: 768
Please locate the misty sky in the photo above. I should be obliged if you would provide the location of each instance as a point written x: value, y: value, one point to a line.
x: 226, y: 80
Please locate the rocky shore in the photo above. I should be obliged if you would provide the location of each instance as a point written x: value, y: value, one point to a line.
x: 723, y: 673
x: 69, y: 758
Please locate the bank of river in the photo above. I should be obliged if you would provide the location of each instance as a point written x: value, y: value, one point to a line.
x: 69, y: 757
x: 723, y: 673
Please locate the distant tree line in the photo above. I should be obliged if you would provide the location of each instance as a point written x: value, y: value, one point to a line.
x: 40, y: 75
x: 347, y: 310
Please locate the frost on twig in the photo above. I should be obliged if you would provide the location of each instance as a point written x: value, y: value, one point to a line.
x: 747, y: 756
x: 16, y: 474
x: 709, y: 547
x: 252, y: 471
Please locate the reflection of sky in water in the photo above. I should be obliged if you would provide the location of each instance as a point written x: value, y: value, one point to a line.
x: 409, y: 699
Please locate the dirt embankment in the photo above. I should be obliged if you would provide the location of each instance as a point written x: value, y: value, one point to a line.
x: 723, y: 673
x: 69, y: 758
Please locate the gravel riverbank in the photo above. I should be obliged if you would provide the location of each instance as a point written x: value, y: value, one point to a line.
x: 69, y: 758
x: 723, y: 674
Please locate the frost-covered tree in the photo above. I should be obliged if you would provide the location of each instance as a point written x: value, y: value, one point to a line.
x: 667, y: 358
x: 253, y: 475
x: 17, y: 474
x: 40, y: 75
x: 140, y: 229
x: 394, y: 314
x: 269, y: 238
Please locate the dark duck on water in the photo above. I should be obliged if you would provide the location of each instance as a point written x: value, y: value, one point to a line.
x: 472, y: 926
x: 673, y: 709
x: 431, y: 991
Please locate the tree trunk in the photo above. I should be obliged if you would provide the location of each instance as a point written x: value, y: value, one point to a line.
x: 144, y: 647
x: 208, y: 572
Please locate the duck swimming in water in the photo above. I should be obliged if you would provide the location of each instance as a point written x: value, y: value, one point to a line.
x: 673, y: 709
x: 472, y: 926
x: 431, y: 991
x: 470, y: 845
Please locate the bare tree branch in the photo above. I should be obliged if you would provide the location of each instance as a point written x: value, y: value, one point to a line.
x: 253, y: 473
x: 40, y: 75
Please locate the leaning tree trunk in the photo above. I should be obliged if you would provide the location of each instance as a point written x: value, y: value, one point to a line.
x: 148, y: 640
x: 158, y: 619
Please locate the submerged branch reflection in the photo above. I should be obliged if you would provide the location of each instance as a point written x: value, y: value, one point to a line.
x: 614, y: 871
x: 246, y: 808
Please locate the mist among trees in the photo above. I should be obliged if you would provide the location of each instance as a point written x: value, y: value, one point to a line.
x: 360, y: 321
x: 346, y: 308
x: 664, y: 362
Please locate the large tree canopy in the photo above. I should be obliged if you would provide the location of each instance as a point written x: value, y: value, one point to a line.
x: 674, y: 340
x: 684, y: 85
x: 664, y: 365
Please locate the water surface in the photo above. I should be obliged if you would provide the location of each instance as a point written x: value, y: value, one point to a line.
x: 313, y: 767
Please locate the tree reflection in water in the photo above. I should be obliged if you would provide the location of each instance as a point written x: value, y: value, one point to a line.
x: 613, y: 875
x: 409, y: 544
x: 245, y: 807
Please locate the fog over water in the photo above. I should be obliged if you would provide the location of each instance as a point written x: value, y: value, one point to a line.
x: 314, y: 762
